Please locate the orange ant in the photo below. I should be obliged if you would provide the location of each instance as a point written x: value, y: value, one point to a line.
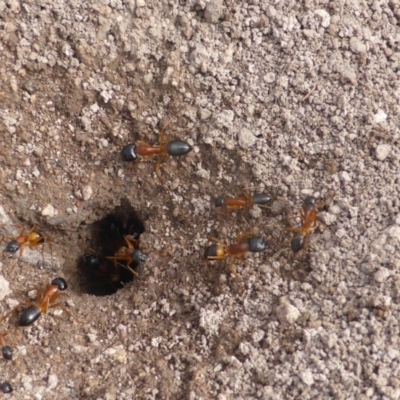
x: 220, y: 251
x: 31, y: 239
x: 244, y: 201
x: 308, y: 215
x: 174, y: 148
x: 44, y: 301
x: 128, y: 253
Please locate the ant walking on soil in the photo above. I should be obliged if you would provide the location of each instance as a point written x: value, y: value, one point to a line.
x: 308, y: 215
x: 31, y: 239
x: 44, y: 301
x: 174, y: 148
x: 253, y: 244
x: 244, y: 201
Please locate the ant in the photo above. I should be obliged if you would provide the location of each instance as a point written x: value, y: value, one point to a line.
x: 31, y: 239
x: 129, y: 254
x: 44, y: 301
x: 308, y: 215
x: 244, y: 201
x: 220, y: 251
x: 174, y: 148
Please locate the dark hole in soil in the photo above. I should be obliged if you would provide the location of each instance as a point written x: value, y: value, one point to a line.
x: 117, y: 236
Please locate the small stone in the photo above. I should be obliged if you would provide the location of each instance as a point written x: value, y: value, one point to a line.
x: 4, y: 288
x: 38, y: 152
x: 213, y: 11
x: 270, y: 77
x: 49, y: 211
x: 381, y: 275
x: 87, y: 192
x: 344, y: 176
x: 380, y: 117
x: 199, y: 58
x: 287, y: 313
x: 349, y: 76
x: 324, y: 17
x: 94, y: 108
x: 357, y: 46
x: 307, y: 377
x: 382, y: 151
x: 246, y: 138
x: 53, y: 381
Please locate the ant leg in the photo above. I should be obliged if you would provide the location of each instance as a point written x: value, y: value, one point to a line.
x: 70, y: 314
x: 162, y: 133
x: 129, y: 269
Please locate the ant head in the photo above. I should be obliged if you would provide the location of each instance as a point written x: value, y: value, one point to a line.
x: 310, y: 201
x: 219, y: 201
x: 139, y: 257
x: 60, y: 282
x: 257, y: 244
x: 12, y: 247
x: 129, y: 153
x: 91, y: 261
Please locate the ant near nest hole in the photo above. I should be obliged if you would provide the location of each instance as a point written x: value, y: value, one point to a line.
x: 30, y: 240
x: 244, y: 244
x: 45, y: 300
x: 166, y: 147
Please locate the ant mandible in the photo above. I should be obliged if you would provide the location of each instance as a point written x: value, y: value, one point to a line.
x: 31, y: 239
x: 220, y: 251
x: 174, y: 148
x: 128, y: 253
x: 44, y: 301
x: 246, y: 200
x: 308, y: 215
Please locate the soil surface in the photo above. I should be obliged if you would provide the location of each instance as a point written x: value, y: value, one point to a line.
x: 288, y: 98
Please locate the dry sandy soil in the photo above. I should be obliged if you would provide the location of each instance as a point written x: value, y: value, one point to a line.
x: 291, y: 98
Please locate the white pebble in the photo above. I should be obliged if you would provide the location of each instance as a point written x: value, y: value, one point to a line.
x: 4, y: 288
x: 287, y: 313
x: 53, y: 381
x: 94, y: 108
x: 344, y: 176
x: 357, y: 46
x: 246, y: 138
x: 324, y: 17
x: 307, y: 377
x: 49, y: 211
x: 380, y: 117
x: 381, y: 275
x: 382, y: 151
x: 87, y: 192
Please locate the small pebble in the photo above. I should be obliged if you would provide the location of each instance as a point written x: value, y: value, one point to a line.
x: 382, y: 151
x: 53, y: 381
x: 287, y: 313
x: 87, y: 192
x: 381, y: 275
x: 380, y: 117
x: 49, y: 211
x: 246, y: 138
